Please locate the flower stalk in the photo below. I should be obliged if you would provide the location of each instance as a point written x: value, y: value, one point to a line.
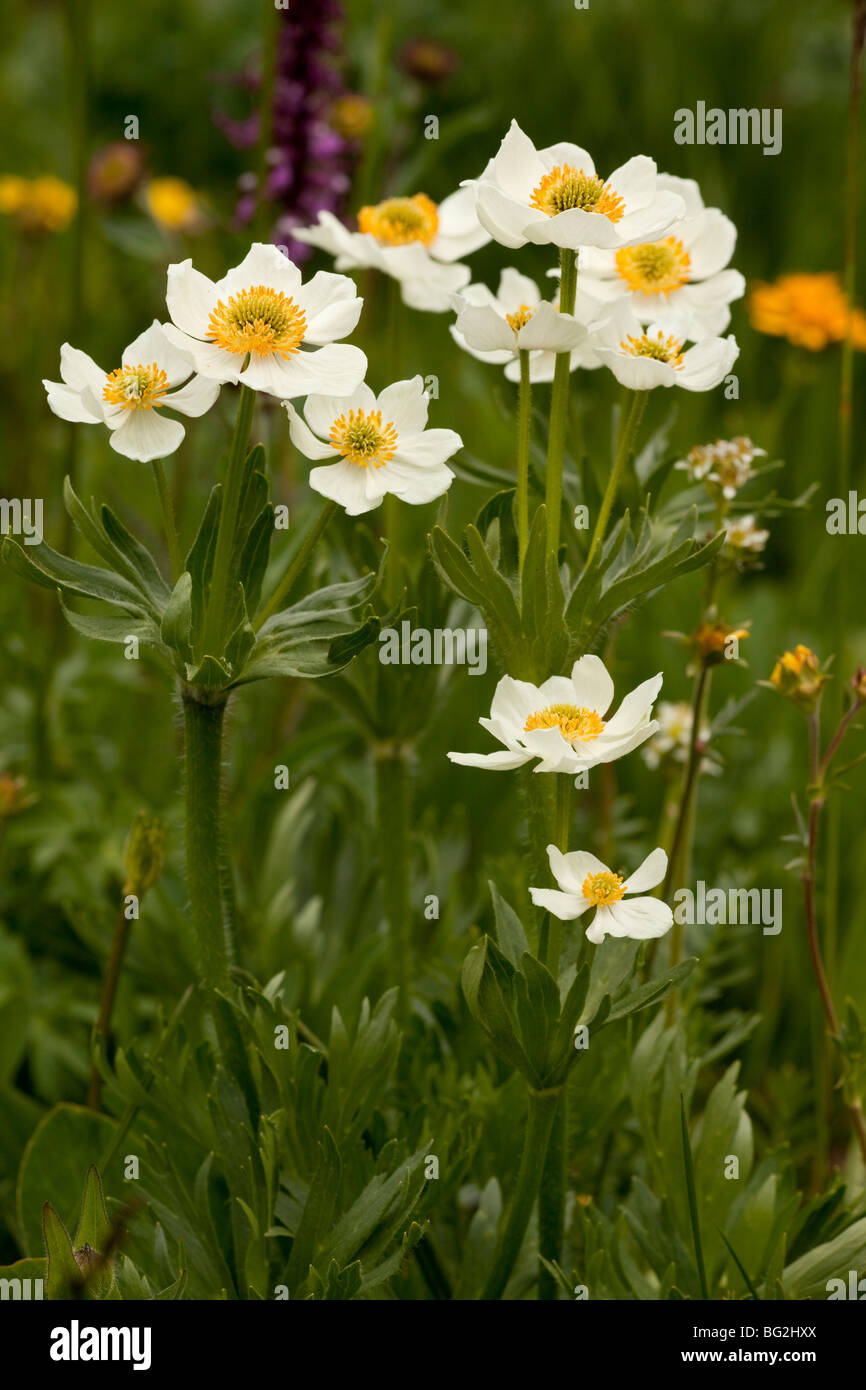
x: 203, y: 729
x: 231, y: 499
x: 524, y: 415
x: 539, y: 1122
x: 559, y: 405
x: 631, y: 421
x: 393, y: 803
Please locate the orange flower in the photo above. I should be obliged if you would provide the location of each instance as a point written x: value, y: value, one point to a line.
x: 811, y: 311
x: 712, y: 642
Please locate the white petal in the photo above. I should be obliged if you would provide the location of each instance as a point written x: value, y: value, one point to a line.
x: 68, y: 404
x: 485, y: 329
x: 649, y: 874
x: 146, y: 435
x: 416, y: 485
x: 80, y: 371
x: 153, y: 345
x: 493, y: 762
x: 405, y: 405
x: 322, y: 411
x: 565, y: 906
x: 638, y: 918
x: 551, y: 330
x: 429, y: 449
x: 570, y: 870
x: 459, y: 233
x: 303, y: 438
x: 710, y: 241
x: 345, y: 484
x: 504, y: 218
x: 593, y: 686
x: 262, y: 265
x: 517, y: 166
x: 513, y: 701
x: 708, y: 363
x: 208, y: 359
x: 634, y: 708
x: 635, y: 182
x: 515, y: 290
x: 190, y: 297
x: 195, y: 398
x: 331, y: 306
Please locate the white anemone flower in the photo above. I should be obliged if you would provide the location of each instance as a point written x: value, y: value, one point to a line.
x: 498, y: 327
x: 130, y: 400
x: 642, y: 358
x: 411, y: 239
x: 262, y: 326
x: 586, y: 882
x: 554, y: 196
x: 563, y: 722
x: 681, y: 278
x: 382, y: 444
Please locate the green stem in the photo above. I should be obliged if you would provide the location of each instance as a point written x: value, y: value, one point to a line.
x: 559, y: 406
x: 168, y: 518
x: 524, y: 408
x: 109, y: 994
x: 678, y: 861
x: 297, y: 566
x: 551, y: 1197
x: 231, y: 499
x: 631, y: 421
x: 539, y: 1122
x: 392, y: 815
x: 203, y: 727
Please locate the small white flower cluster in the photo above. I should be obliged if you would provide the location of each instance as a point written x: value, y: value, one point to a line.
x: 563, y: 725
x: 652, y: 265
x: 261, y: 326
x: 651, y: 270
x: 726, y: 463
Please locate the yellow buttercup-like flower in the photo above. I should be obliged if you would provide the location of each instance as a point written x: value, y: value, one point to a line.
x: 798, y: 676
x: 173, y: 204
x: 811, y: 311
x: 44, y: 204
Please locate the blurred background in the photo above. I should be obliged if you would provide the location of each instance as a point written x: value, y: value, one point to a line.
x: 87, y: 739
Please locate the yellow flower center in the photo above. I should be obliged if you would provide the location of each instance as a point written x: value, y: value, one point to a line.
x: 399, y: 221
x: 258, y: 320
x: 136, y: 388
x: 603, y: 889
x: 572, y: 721
x: 659, y: 348
x: 657, y: 267
x: 520, y: 318
x: 566, y: 187
x: 361, y: 438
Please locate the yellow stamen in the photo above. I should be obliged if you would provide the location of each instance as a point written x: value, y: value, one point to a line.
x: 136, y: 388
x: 399, y: 221
x: 656, y: 267
x: 660, y: 348
x: 361, y: 438
x: 258, y: 320
x: 566, y: 187
x: 520, y: 318
x: 603, y: 889
x: 572, y: 721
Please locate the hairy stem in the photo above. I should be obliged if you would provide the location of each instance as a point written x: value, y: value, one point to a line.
x: 109, y: 994
x: 559, y: 406
x: 203, y: 729
x: 539, y: 1122
x: 524, y: 409
x: 168, y: 520
x: 631, y: 420
x: 231, y: 500
x: 392, y: 814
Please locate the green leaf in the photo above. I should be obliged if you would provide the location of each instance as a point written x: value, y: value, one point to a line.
x: 510, y: 936
x: 62, y: 1274
x: 43, y: 566
x: 104, y: 629
x: 318, y: 1212
x: 693, y: 1204
x: 64, y: 1144
x: 176, y: 628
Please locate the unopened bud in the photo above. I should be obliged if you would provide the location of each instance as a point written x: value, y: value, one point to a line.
x: 144, y: 854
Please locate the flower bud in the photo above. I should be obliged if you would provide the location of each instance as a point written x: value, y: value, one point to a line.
x: 144, y: 854
x: 714, y: 642
x: 798, y: 676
